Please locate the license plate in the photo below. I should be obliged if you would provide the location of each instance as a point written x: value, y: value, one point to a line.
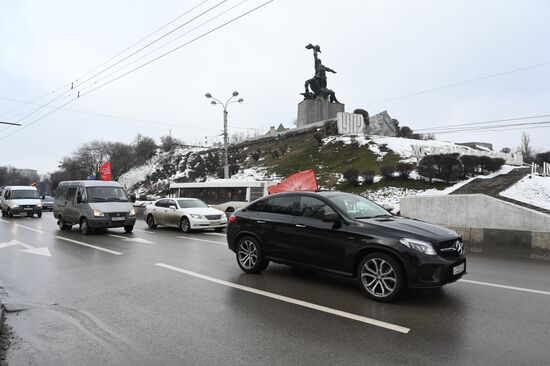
x: 458, y: 269
x: 28, y: 209
x: 214, y: 223
x: 118, y: 218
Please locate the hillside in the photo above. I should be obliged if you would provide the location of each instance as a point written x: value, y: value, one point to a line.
x: 277, y: 157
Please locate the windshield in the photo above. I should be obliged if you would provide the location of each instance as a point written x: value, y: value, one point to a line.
x: 22, y: 194
x: 191, y: 203
x: 48, y: 199
x: 106, y: 194
x: 358, y: 207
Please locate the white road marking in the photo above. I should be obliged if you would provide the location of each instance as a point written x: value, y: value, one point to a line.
x: 216, y: 234
x: 144, y: 231
x: 507, y: 287
x: 131, y: 239
x: 44, y: 251
x: 22, y: 226
x: 206, y: 241
x: 290, y: 300
x: 89, y: 245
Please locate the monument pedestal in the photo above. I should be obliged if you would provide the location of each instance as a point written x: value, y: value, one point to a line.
x: 315, y: 110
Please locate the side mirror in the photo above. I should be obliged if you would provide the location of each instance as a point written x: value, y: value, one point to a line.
x: 331, y: 217
x: 173, y: 207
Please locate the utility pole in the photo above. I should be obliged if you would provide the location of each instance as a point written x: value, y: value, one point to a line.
x: 225, y: 133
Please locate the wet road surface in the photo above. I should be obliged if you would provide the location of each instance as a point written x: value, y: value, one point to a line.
x: 164, y: 297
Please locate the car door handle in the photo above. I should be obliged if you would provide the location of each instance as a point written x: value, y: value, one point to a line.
x: 260, y: 222
x: 300, y: 225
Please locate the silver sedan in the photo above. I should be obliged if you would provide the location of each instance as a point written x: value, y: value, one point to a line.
x: 186, y: 213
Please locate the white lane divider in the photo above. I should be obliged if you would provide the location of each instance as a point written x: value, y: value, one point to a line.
x: 343, y: 314
x: 506, y: 287
x: 144, y: 231
x: 131, y: 239
x: 204, y: 240
x: 89, y: 245
x: 22, y: 226
x: 45, y: 252
x: 215, y: 234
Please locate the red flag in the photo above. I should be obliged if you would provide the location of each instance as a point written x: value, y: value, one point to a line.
x: 107, y: 171
x: 301, y: 181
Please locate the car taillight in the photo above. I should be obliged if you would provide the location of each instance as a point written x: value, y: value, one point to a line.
x: 232, y: 218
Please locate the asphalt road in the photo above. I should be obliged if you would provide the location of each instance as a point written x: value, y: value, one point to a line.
x: 164, y: 298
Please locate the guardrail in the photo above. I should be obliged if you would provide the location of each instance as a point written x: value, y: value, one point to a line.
x: 542, y: 170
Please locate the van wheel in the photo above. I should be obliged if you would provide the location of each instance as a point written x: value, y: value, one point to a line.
x: 128, y: 228
x: 250, y: 255
x: 4, y: 213
x: 185, y: 225
x: 84, y: 227
x: 151, y: 222
x: 380, y: 277
x: 10, y: 214
x: 39, y: 215
x: 62, y: 225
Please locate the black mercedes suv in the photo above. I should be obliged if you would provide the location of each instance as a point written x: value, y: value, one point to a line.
x: 346, y: 234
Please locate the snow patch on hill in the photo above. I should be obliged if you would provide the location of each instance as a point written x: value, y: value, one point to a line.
x: 533, y: 190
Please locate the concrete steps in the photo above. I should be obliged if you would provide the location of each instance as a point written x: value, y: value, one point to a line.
x: 493, y: 186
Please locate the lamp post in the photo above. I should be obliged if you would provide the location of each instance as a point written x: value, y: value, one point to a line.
x: 225, y: 135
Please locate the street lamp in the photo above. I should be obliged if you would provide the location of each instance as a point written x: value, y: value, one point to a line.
x: 225, y: 135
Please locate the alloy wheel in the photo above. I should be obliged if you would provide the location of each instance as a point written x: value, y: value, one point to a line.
x: 248, y: 254
x: 378, y: 277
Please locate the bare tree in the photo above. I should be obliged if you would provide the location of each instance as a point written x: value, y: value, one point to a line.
x: 525, y: 148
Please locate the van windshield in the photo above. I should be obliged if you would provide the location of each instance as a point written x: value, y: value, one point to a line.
x: 24, y: 193
x: 106, y: 194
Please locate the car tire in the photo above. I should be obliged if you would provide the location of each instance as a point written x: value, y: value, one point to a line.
x: 10, y: 214
x: 128, y: 228
x: 151, y: 222
x: 39, y: 215
x: 185, y: 225
x: 85, y: 227
x: 62, y: 225
x: 381, y: 277
x: 250, y: 255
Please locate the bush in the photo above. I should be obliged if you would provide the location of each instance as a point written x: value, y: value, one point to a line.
x: 427, y: 167
x: 404, y: 170
x: 368, y: 177
x: 406, y: 132
x: 469, y: 164
x: 387, y: 171
x: 485, y: 163
x: 496, y: 164
x: 543, y: 157
x: 318, y: 136
x: 450, y: 168
x: 351, y: 175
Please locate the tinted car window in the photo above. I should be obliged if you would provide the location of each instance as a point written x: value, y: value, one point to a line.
x: 313, y: 208
x: 357, y: 207
x: 281, y: 205
x: 257, y: 206
x: 162, y: 203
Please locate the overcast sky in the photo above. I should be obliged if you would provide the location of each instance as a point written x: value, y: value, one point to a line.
x: 380, y: 49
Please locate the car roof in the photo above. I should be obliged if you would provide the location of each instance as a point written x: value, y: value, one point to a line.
x: 90, y: 183
x: 20, y: 188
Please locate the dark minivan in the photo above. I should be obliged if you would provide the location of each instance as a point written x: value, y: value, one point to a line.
x: 346, y: 234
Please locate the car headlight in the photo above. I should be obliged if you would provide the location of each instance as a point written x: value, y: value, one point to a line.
x: 195, y: 216
x: 98, y: 213
x: 418, y: 245
x: 39, y: 205
x: 132, y: 212
x: 14, y: 205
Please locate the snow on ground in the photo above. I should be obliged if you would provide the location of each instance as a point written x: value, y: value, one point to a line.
x: 389, y: 197
x: 532, y: 189
x: 250, y: 174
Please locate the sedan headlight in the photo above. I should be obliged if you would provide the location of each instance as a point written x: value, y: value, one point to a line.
x: 98, y: 213
x: 132, y: 212
x: 195, y: 216
x: 418, y: 245
x: 39, y: 205
x: 14, y: 205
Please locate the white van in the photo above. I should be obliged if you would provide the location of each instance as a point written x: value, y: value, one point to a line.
x: 21, y: 200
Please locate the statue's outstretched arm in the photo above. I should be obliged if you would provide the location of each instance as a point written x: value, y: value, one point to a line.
x: 329, y: 70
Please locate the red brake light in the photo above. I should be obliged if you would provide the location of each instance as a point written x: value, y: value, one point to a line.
x: 232, y: 218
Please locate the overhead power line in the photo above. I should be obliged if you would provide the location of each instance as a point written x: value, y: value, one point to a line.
x: 452, y: 85
x: 495, y: 130
x: 481, y: 128
x: 443, y: 127
x: 142, y: 65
